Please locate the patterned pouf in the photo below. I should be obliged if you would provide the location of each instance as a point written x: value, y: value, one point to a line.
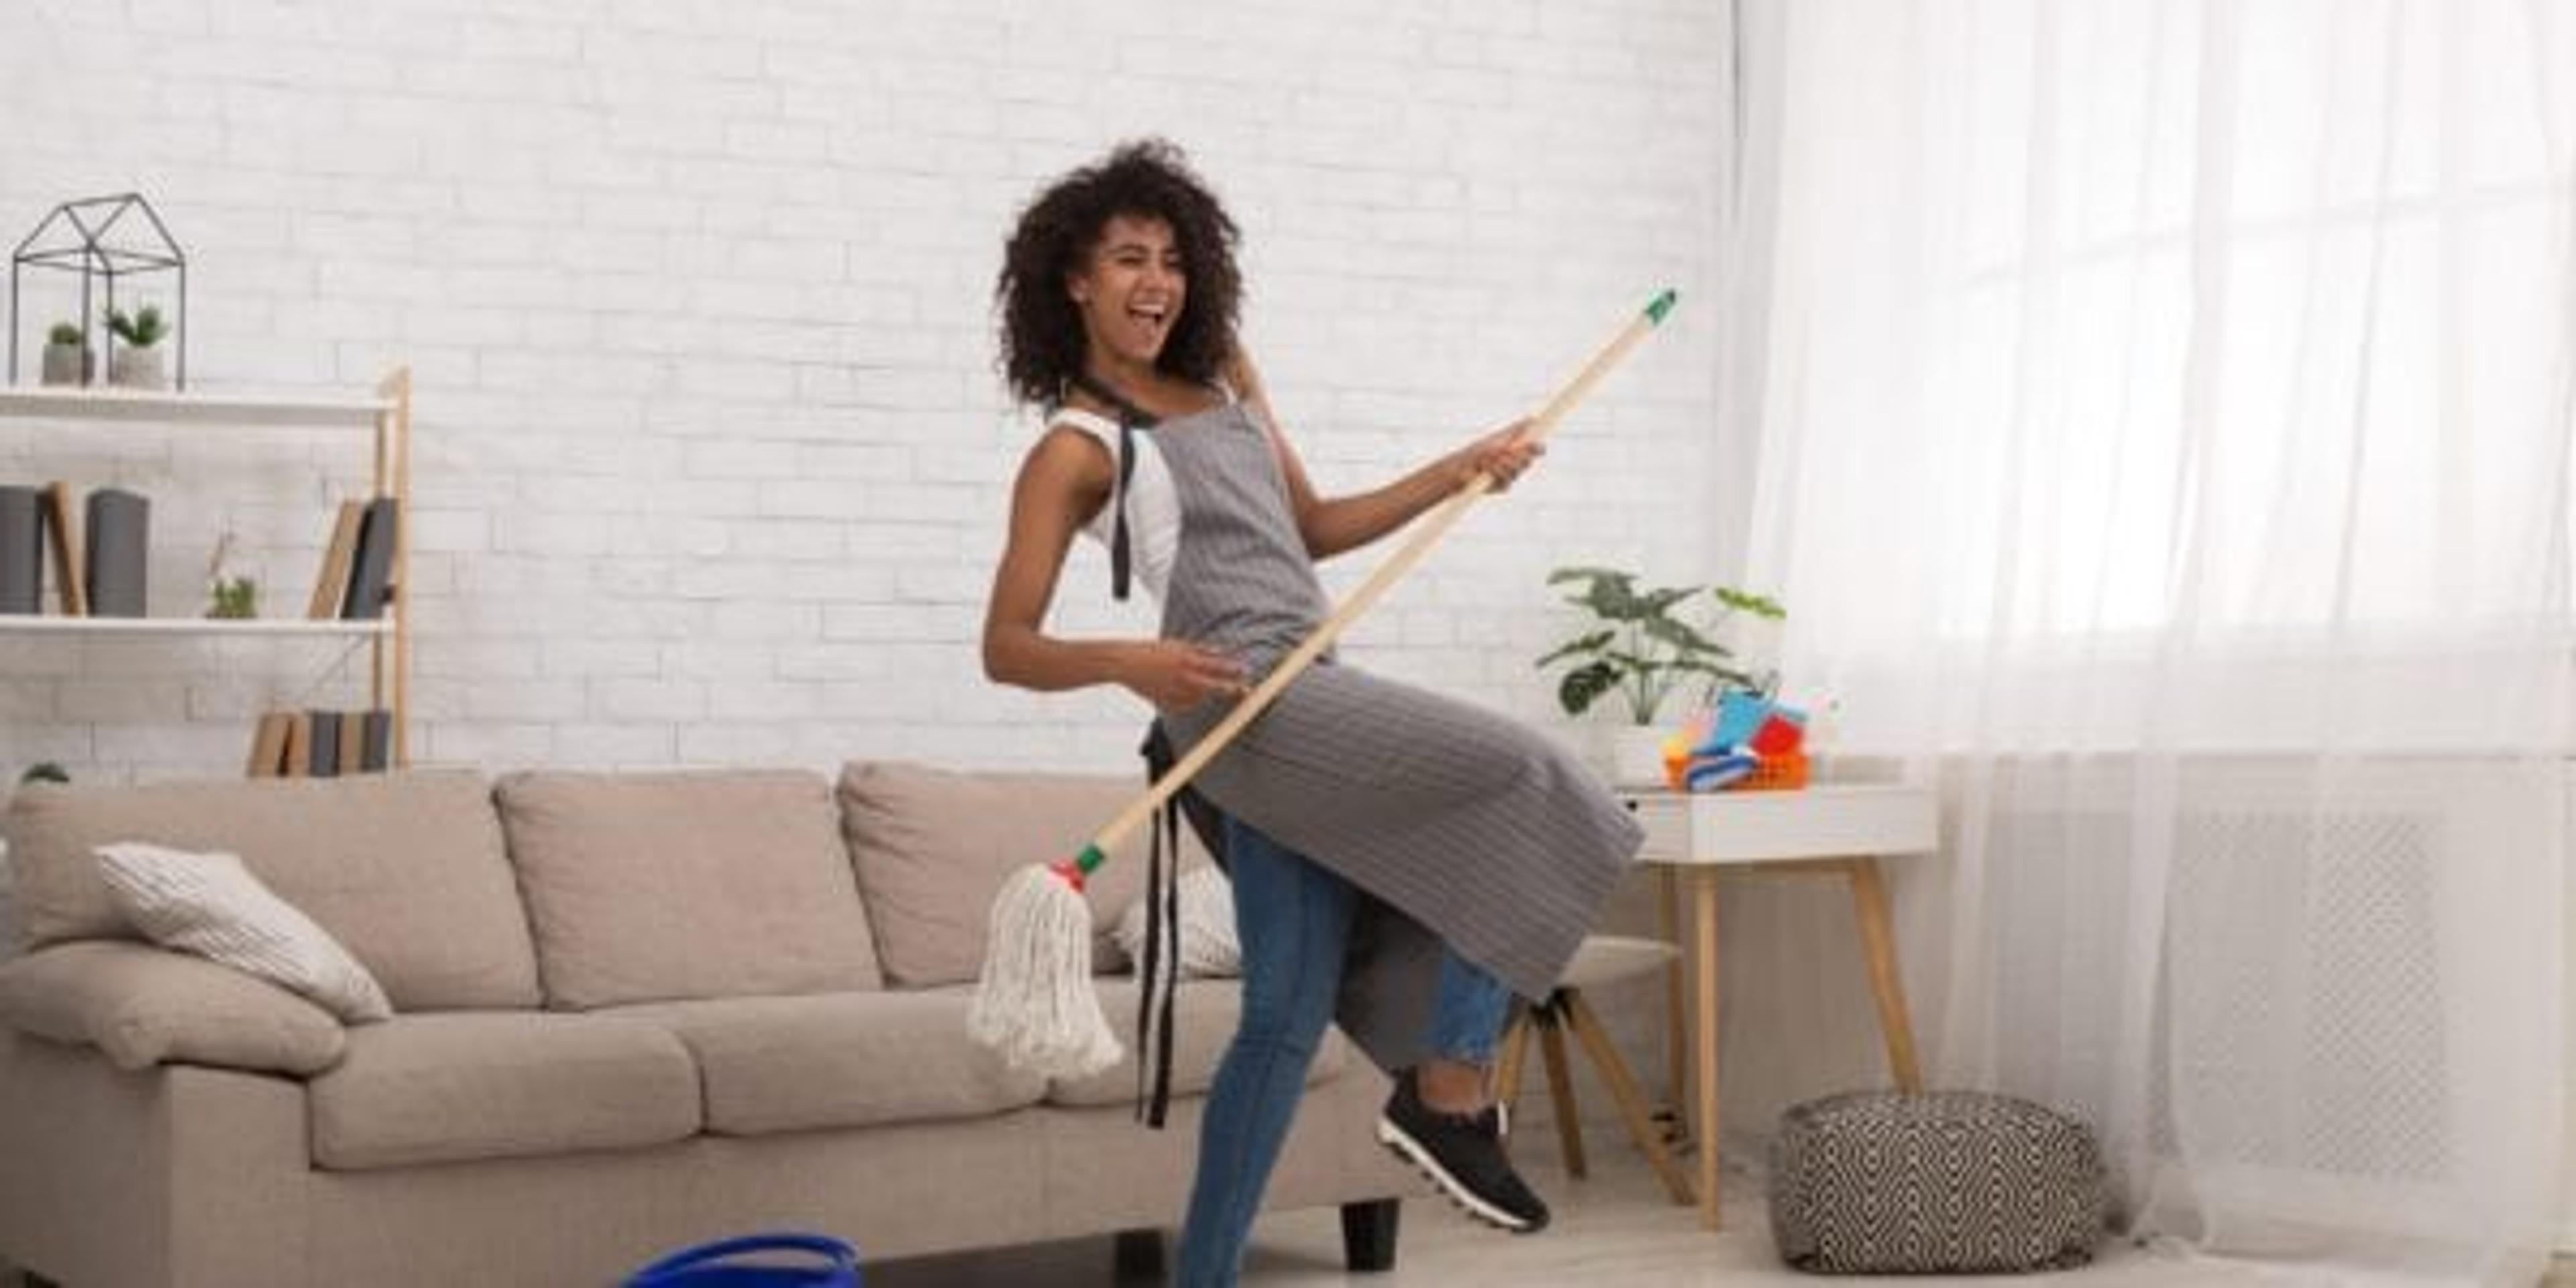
x: 1886, y: 1182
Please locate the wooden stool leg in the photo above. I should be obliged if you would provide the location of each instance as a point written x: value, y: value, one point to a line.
x: 1623, y: 1088
x: 1878, y: 940
x: 1507, y: 1071
x: 1560, y: 1090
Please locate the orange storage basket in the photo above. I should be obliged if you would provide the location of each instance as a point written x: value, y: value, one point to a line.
x: 1774, y: 774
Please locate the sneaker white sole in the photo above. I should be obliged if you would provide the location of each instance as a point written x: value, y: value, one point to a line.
x: 1412, y: 1151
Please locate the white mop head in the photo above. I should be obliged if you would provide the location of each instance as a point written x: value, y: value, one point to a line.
x: 1035, y: 1004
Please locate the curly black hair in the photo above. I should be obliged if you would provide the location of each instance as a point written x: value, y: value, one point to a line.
x: 1042, y: 335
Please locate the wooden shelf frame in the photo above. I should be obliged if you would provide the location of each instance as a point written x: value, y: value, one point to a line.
x: 385, y: 415
x: 162, y: 407
x: 55, y: 624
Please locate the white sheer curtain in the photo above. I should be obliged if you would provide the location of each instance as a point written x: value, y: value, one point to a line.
x: 2165, y: 425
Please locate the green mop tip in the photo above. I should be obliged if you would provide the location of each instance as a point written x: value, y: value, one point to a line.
x: 1080, y: 866
x: 1663, y: 304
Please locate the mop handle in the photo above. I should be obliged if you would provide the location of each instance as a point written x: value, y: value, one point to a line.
x: 1415, y: 547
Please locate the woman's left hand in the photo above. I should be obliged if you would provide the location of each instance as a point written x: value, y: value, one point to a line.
x: 1506, y: 454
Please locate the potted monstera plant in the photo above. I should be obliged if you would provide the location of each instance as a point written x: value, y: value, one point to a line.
x: 137, y: 362
x: 1639, y: 647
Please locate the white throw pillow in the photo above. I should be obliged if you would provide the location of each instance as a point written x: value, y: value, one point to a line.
x: 212, y: 906
x: 1208, y: 946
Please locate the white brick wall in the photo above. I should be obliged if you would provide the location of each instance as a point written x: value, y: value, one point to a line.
x: 712, y: 460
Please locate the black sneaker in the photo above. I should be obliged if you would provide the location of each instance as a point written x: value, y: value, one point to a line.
x: 1463, y: 1155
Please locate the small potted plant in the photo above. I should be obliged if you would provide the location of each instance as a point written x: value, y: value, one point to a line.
x: 230, y: 598
x: 136, y: 364
x: 236, y: 599
x: 66, y: 356
x: 1642, y: 645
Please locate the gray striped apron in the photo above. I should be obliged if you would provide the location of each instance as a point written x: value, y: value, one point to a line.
x: 1455, y: 824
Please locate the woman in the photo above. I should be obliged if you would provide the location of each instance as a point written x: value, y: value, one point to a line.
x: 1401, y: 862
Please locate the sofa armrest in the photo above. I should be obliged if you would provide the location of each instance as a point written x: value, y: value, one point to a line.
x: 142, y: 1006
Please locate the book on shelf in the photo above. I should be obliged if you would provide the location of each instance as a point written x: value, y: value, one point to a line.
x: 22, y: 550
x: 353, y: 742
x: 322, y: 760
x: 321, y: 744
x: 63, y: 533
x: 268, y: 744
x: 371, y: 568
x: 298, y: 761
x: 331, y: 583
x: 120, y: 530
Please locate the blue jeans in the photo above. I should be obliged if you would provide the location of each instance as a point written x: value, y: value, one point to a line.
x: 1293, y: 917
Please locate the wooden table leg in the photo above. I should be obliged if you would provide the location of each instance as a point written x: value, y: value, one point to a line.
x: 1704, y: 1042
x: 1668, y: 917
x: 1878, y: 940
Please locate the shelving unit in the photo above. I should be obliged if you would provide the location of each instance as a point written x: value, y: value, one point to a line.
x: 165, y: 408
x: 23, y: 625
x: 385, y: 417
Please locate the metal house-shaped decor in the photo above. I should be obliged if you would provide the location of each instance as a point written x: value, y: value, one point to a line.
x: 102, y: 239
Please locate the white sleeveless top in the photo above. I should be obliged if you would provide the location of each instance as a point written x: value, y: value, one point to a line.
x: 1153, y: 504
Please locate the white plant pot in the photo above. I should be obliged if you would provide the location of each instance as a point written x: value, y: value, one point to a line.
x: 66, y: 364
x: 135, y: 368
x: 1637, y: 755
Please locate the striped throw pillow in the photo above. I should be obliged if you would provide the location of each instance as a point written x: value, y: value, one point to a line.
x: 212, y: 906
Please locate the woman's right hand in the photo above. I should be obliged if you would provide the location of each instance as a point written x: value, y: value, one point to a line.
x: 1176, y: 675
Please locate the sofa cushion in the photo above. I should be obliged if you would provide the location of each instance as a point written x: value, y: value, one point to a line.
x: 933, y: 847
x: 405, y: 870
x: 1204, y: 1013
x: 211, y: 906
x: 776, y: 1064
x: 669, y: 886
x: 500, y: 1084
x: 142, y: 1006
x: 1203, y: 935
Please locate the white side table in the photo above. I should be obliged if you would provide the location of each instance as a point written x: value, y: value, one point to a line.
x: 1829, y: 829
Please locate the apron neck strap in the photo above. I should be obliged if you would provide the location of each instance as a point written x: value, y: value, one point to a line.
x: 1128, y: 412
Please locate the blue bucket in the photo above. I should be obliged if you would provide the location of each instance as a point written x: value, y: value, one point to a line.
x: 756, y: 1261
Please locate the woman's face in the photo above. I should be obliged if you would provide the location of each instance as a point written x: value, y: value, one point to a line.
x: 1130, y: 289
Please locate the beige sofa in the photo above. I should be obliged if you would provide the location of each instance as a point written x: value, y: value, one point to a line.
x: 635, y: 1012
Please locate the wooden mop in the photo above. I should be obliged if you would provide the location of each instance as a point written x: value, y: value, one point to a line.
x: 1034, y: 1003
